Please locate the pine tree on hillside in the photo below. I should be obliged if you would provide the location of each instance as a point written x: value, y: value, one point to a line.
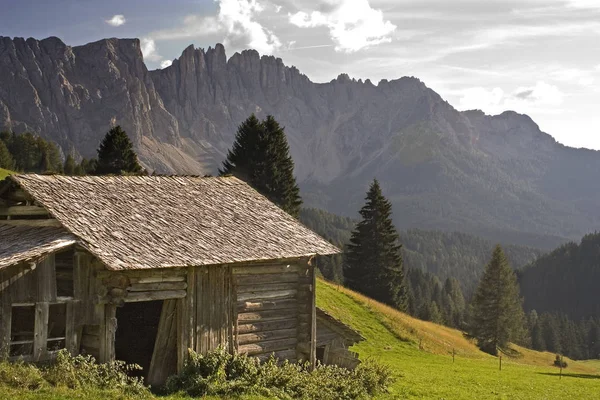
x: 373, y: 261
x: 70, y: 165
x: 498, y: 316
x: 6, y: 160
x: 260, y: 156
x: 116, y: 155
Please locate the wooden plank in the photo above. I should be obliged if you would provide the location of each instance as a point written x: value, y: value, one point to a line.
x: 23, y: 210
x: 147, y: 287
x: 182, y: 334
x: 31, y: 222
x: 5, y: 326
x: 204, y: 309
x: 268, y: 287
x: 275, y: 304
x: 108, y: 330
x: 275, y: 294
x: 90, y: 342
x: 242, y: 280
x: 234, y: 312
x: 40, y: 336
x: 289, y: 355
x: 71, y: 329
x: 265, y: 269
x: 163, y: 364
x: 157, y: 279
x: 313, y: 331
x: 268, y: 346
x: 268, y: 325
x: 155, y: 295
x: 190, y: 310
x: 267, y: 315
x: 267, y: 335
x: 46, y: 279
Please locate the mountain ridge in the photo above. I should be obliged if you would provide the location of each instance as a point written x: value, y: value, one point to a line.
x: 495, y: 176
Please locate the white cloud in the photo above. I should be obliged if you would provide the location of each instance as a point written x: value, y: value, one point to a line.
x: 236, y: 21
x: 277, y: 8
x: 116, y: 20
x: 583, y: 3
x: 353, y: 24
x: 165, y: 63
x: 542, y: 96
x: 149, y: 50
x: 573, y: 75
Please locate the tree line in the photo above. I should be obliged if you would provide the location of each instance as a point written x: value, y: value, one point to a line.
x: 25, y: 152
x: 372, y: 262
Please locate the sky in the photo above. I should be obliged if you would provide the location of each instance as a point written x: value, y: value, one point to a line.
x: 536, y: 57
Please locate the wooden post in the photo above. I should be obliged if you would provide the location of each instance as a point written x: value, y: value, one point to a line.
x: 40, y: 337
x: 453, y: 353
x: 5, y: 326
x: 71, y: 329
x: 500, y: 358
x: 108, y: 329
x: 561, y: 367
x: 313, y: 324
x: 163, y: 360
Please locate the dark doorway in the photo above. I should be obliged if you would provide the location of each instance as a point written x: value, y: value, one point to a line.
x: 137, y: 326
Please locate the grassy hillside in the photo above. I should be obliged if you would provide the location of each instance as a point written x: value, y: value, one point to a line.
x: 393, y: 338
x: 4, y: 173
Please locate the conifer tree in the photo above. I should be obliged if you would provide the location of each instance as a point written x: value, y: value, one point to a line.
x: 373, y: 264
x: 498, y: 316
x: 70, y: 165
x: 260, y: 156
x: 6, y: 160
x: 116, y: 155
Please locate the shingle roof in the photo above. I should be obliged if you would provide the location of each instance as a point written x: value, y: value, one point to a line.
x: 21, y: 243
x: 157, y: 222
x: 350, y: 335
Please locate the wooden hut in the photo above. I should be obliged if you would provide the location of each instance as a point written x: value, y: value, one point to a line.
x: 144, y: 268
x: 333, y: 340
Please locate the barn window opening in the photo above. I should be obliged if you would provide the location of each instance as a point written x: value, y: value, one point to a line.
x: 57, y: 316
x: 321, y: 354
x: 63, y: 262
x: 22, y: 331
x: 137, y: 327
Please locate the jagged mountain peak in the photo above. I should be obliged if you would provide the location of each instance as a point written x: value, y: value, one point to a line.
x: 441, y: 168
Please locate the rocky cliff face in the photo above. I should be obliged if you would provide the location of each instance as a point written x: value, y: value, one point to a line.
x: 498, y: 176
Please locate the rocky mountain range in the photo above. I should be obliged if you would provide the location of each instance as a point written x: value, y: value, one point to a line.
x: 496, y: 176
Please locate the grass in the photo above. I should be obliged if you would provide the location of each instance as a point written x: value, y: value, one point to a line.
x: 4, y: 173
x: 420, y: 354
x: 393, y: 338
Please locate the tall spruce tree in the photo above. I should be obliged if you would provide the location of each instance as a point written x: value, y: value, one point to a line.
x: 498, y: 316
x: 116, y: 155
x: 6, y: 160
x: 70, y: 165
x: 261, y: 156
x: 373, y: 259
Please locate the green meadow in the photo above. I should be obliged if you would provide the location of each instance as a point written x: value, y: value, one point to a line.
x: 420, y: 355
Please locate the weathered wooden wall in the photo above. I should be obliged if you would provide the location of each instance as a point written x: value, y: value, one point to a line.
x: 256, y: 308
x: 274, y: 310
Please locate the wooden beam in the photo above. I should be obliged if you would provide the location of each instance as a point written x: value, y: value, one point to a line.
x: 40, y: 337
x: 133, y: 297
x: 31, y: 222
x: 23, y: 210
x: 313, y: 306
x: 255, y: 337
x: 108, y: 329
x: 268, y: 346
x: 163, y: 362
x: 5, y: 327
x: 71, y: 328
x: 147, y: 287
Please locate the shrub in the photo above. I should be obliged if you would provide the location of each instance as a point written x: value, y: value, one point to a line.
x: 222, y: 374
x: 21, y: 376
x: 82, y: 371
x: 559, y: 362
